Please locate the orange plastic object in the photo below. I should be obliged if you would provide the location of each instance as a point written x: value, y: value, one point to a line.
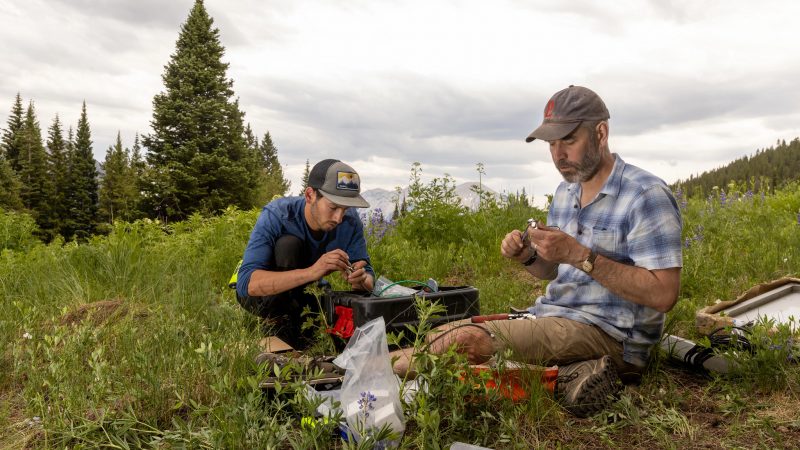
x: 509, y: 382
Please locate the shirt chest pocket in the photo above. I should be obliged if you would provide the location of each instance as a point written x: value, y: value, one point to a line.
x: 604, y: 240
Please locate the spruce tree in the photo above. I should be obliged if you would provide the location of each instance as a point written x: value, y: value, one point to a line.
x: 306, y: 173
x: 197, y: 150
x: 58, y: 169
x: 10, y: 144
x: 9, y: 186
x: 117, y: 187
x: 37, y: 188
x: 250, y: 139
x: 274, y: 182
x: 138, y: 167
x: 82, y: 194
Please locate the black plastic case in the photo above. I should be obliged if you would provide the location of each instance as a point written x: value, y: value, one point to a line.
x: 398, y: 312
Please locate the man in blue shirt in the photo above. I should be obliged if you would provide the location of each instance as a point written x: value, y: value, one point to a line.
x: 297, y: 241
x: 612, y: 248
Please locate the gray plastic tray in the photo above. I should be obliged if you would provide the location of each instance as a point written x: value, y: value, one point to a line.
x: 779, y: 304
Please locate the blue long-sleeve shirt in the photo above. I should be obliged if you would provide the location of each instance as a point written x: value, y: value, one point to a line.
x: 285, y: 216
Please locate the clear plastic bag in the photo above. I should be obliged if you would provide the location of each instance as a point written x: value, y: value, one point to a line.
x: 370, y: 393
x: 385, y: 287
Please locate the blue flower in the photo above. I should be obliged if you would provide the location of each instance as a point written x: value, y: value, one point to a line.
x: 365, y: 403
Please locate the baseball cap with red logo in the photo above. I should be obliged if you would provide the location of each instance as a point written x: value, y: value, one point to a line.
x: 566, y: 110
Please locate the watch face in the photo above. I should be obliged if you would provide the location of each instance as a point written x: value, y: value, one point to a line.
x: 587, y: 266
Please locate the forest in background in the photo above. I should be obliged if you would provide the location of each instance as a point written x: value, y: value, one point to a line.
x: 769, y: 168
x: 199, y: 157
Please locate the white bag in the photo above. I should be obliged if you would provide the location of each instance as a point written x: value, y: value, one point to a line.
x: 370, y: 394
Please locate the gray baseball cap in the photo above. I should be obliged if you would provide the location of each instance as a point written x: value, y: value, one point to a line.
x: 337, y: 182
x: 566, y: 110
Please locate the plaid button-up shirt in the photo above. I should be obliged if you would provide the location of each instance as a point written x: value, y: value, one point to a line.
x: 633, y: 220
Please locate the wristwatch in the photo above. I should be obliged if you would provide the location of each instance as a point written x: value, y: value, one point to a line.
x: 588, y: 265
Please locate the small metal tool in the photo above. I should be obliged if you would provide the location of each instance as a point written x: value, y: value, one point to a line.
x: 531, y: 223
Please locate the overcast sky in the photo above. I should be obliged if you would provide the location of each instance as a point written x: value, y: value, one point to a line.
x: 690, y: 84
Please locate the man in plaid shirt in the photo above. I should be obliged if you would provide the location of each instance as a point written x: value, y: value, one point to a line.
x: 612, y: 248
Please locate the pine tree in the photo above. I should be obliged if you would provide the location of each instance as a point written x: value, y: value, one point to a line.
x: 37, y: 188
x: 274, y: 181
x: 9, y: 186
x: 137, y: 174
x: 117, y: 187
x: 250, y: 139
x: 10, y: 141
x: 199, y: 157
x: 306, y: 173
x: 82, y: 194
x: 58, y: 170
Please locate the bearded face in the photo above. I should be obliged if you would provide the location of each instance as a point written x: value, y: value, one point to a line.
x: 578, y: 156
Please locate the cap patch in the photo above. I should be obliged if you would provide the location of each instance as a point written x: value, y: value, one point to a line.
x: 548, y: 110
x: 347, y: 180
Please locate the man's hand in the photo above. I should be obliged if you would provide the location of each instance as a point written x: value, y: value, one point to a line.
x: 330, y: 262
x: 514, y: 248
x: 557, y: 246
x: 358, y: 277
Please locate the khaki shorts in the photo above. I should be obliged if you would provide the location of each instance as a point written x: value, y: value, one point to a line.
x: 556, y: 341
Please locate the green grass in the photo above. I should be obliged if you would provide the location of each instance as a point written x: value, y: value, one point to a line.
x: 132, y: 340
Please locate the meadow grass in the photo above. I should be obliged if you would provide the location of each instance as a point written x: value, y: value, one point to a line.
x: 133, y: 340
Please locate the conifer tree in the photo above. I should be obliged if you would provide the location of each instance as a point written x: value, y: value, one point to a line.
x: 117, y: 187
x: 10, y: 143
x: 306, y: 173
x: 138, y: 168
x: 37, y: 188
x: 199, y: 157
x: 82, y: 193
x: 9, y: 186
x: 58, y: 170
x: 250, y: 139
x: 274, y: 181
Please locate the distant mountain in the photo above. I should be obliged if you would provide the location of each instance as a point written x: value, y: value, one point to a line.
x: 384, y: 199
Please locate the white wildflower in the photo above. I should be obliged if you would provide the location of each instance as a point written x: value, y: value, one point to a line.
x: 27, y: 336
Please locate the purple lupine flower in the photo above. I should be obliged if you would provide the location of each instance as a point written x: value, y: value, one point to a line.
x: 798, y: 218
x: 681, y: 199
x: 365, y: 403
x: 748, y: 196
x: 722, y: 198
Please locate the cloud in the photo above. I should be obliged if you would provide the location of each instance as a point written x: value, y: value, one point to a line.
x: 690, y: 85
x: 144, y: 13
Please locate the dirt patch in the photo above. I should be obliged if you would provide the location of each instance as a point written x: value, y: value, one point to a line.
x: 100, y: 312
x: 16, y: 430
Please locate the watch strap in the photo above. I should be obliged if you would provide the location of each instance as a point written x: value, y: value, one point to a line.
x: 530, y: 260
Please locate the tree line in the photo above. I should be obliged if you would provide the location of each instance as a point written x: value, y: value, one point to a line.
x: 199, y: 158
x: 768, y: 169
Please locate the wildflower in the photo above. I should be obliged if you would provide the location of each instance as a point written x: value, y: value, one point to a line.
x: 27, y: 336
x: 365, y: 403
x: 722, y: 198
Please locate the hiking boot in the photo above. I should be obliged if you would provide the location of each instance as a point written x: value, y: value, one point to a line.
x: 587, y: 387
